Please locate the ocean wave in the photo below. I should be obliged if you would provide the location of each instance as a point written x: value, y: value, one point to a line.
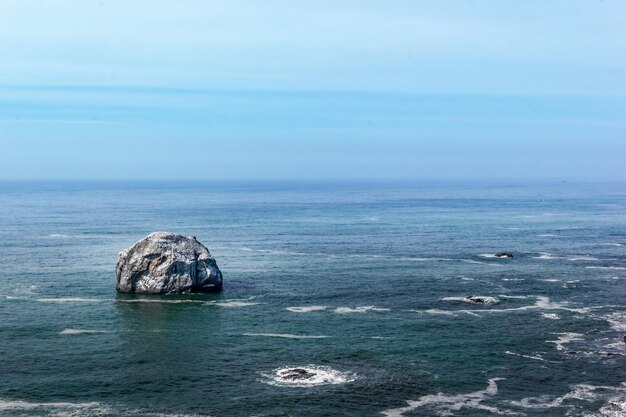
x: 306, y: 309
x: 445, y: 404
x: 536, y: 357
x: 617, y: 321
x: 17, y: 405
x: 548, y: 235
x: 607, y: 267
x: 614, y: 398
x: 361, y: 309
x: 82, y: 331
x: 583, y: 258
x: 546, y: 255
x: 233, y: 303
x: 285, y: 335
x: 565, y: 338
x: 551, y: 316
x: 473, y: 299
x: 161, y: 301
x: 82, y: 409
x: 307, y: 376
x: 541, y: 303
x: 71, y: 300
x: 58, y: 236
x: 612, y: 244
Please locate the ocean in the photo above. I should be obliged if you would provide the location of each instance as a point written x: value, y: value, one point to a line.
x: 363, y: 283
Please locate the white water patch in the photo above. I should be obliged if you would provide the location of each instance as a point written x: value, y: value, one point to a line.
x: 82, y: 331
x: 474, y: 299
x: 550, y: 280
x: 71, y: 300
x: 471, y: 261
x: 546, y: 255
x: 285, y: 335
x: 361, y: 309
x: 487, y: 255
x: 514, y: 297
x: 85, y: 409
x: 614, y: 397
x: 513, y: 279
x: 617, y: 321
x: 234, y: 303
x: 535, y: 357
x: 551, y: 316
x: 583, y: 258
x: 607, y: 267
x: 58, y: 236
x: 160, y: 301
x: 565, y: 338
x: 446, y: 404
x: 548, y: 235
x: 315, y: 376
x: 612, y: 244
x: 306, y: 309
x: 58, y: 408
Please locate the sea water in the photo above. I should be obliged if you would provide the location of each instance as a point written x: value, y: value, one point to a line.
x: 361, y: 283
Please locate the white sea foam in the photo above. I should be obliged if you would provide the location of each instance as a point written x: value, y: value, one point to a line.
x: 82, y: 331
x: 361, y: 309
x: 550, y: 280
x: 613, y: 396
x: 565, y: 338
x: 160, y: 301
x: 612, y: 244
x: 536, y: 357
x: 487, y: 255
x: 607, y: 267
x: 7, y: 405
x: 485, y: 299
x: 514, y: 297
x: 234, y: 303
x: 446, y: 404
x: 551, y: 316
x: 319, y: 375
x: 71, y: 300
x: 583, y: 258
x: 58, y: 236
x: 285, y: 335
x: 617, y: 321
x: 548, y: 235
x: 513, y: 279
x: 546, y: 255
x: 306, y: 309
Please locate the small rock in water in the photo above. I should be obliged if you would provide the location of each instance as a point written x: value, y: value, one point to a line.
x: 572, y: 352
x: 504, y: 255
x: 475, y: 299
x: 296, y: 374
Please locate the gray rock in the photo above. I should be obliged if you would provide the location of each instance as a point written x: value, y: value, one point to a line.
x: 165, y: 262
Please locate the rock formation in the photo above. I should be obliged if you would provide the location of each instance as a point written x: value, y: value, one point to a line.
x: 164, y: 262
x: 504, y: 255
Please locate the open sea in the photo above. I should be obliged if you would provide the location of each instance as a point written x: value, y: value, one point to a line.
x: 362, y: 283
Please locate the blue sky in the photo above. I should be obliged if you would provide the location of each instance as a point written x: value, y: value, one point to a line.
x: 312, y: 89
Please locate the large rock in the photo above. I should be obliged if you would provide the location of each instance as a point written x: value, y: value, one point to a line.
x: 164, y: 262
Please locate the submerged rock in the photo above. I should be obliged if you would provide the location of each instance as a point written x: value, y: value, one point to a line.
x: 504, y: 255
x: 165, y: 262
x: 475, y: 299
x: 294, y: 374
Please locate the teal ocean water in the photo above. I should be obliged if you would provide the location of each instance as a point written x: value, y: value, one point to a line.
x: 362, y: 283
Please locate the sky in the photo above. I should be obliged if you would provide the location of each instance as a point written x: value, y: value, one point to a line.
x: 236, y: 89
